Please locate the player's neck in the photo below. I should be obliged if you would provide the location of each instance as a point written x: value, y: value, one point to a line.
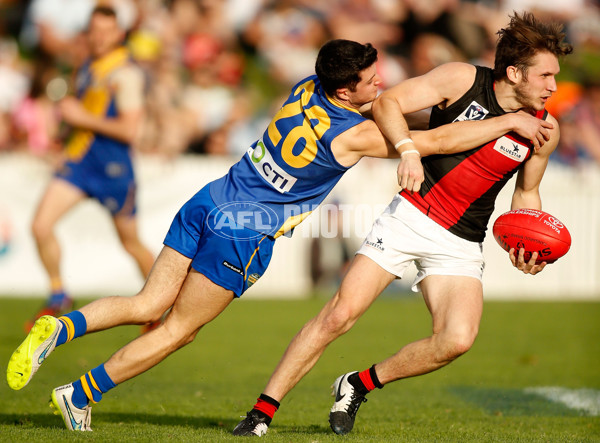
x: 345, y: 103
x: 506, y: 97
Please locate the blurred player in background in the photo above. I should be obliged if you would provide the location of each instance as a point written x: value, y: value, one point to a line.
x: 104, y: 117
x: 221, y: 241
x: 441, y: 225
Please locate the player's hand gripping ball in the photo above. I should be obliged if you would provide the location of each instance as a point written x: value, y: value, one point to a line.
x: 535, y: 231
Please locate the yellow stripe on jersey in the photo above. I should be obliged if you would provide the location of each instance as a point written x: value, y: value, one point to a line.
x: 102, y: 67
x: 341, y: 105
x: 96, y: 99
x: 252, y: 257
x: 291, y: 222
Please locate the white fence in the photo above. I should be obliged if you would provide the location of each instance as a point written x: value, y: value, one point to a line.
x: 95, y: 264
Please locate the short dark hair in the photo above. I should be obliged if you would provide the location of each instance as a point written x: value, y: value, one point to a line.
x: 104, y: 10
x: 340, y: 62
x: 523, y: 39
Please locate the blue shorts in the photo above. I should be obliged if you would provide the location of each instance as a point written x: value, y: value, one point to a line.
x: 112, y: 183
x: 230, y: 255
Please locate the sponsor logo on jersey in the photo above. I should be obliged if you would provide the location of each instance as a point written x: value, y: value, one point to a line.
x: 232, y: 267
x: 378, y: 244
x: 252, y: 278
x: 511, y: 149
x: 473, y: 112
x: 269, y: 170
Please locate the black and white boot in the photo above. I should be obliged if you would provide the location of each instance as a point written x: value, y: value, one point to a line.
x: 347, y: 402
x: 256, y: 423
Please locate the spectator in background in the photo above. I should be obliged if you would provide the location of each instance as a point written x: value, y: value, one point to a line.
x: 156, y: 45
x: 265, y: 45
x: 215, y: 78
x: 104, y: 117
x: 13, y: 90
x: 287, y: 37
x: 35, y: 120
x: 55, y: 27
x: 580, y: 126
x: 587, y: 118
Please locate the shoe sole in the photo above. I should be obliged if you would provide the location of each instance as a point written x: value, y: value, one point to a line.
x: 21, y: 366
x: 53, y: 403
x: 340, y: 423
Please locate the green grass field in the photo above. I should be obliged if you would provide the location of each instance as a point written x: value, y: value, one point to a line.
x: 199, y: 393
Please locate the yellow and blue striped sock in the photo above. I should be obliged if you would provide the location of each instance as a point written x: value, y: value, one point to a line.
x: 91, y: 386
x: 74, y: 325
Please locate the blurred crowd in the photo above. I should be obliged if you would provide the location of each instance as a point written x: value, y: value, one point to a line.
x: 217, y: 69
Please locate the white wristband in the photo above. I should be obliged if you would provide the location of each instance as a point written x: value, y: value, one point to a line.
x: 403, y: 142
x: 410, y: 151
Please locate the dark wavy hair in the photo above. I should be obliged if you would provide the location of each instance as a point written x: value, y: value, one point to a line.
x: 340, y: 62
x: 523, y: 39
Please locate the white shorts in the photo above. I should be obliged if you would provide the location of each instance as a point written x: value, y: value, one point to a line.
x: 403, y: 234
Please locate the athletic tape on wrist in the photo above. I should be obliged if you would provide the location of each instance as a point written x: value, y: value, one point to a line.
x: 403, y: 142
x: 410, y: 151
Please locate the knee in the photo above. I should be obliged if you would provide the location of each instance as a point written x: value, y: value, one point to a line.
x: 454, y: 344
x: 179, y: 334
x: 338, y: 321
x: 154, y: 314
x: 40, y: 230
x: 147, y: 309
x: 131, y: 245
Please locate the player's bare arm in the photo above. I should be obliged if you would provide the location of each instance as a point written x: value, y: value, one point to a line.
x: 123, y: 127
x: 366, y: 140
x: 527, y: 195
x: 128, y: 84
x: 464, y: 135
x: 440, y: 86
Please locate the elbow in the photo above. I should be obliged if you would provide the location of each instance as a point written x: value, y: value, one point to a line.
x: 429, y: 142
x: 376, y: 106
x: 382, y: 102
x: 130, y: 137
x: 130, y: 134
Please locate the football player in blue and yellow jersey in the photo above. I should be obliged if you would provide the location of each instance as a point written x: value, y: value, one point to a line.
x: 220, y: 242
x: 104, y: 116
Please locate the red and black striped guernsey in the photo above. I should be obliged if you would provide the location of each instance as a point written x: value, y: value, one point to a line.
x: 459, y: 190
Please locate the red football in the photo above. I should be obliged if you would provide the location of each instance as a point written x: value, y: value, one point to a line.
x: 535, y: 231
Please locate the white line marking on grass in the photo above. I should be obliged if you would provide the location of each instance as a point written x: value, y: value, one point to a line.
x: 587, y: 400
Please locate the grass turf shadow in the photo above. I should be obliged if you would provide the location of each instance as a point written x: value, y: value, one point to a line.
x: 49, y: 421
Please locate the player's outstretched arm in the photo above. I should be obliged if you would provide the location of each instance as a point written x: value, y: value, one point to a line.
x: 465, y: 135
